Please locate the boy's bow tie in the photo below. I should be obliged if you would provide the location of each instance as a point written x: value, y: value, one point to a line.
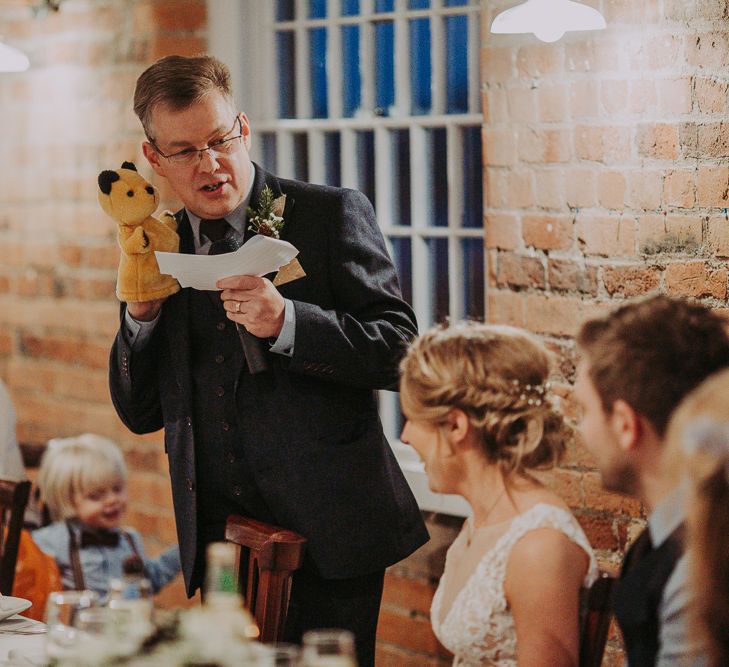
x: 99, y: 538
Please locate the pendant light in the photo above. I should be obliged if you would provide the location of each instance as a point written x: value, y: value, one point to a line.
x: 547, y: 19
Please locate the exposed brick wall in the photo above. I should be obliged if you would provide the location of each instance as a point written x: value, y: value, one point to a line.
x: 64, y: 121
x: 606, y: 177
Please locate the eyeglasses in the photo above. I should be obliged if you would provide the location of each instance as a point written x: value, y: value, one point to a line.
x: 191, y: 155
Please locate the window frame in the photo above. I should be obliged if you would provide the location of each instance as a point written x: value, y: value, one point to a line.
x: 235, y: 35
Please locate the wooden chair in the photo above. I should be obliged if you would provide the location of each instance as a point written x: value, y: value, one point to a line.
x: 597, y: 613
x: 13, y: 500
x: 269, y: 556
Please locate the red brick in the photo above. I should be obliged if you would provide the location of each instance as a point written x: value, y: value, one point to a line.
x: 713, y: 186
x: 67, y: 349
x: 675, y: 95
x: 710, y: 95
x: 520, y: 271
x: 167, y: 45
x: 669, y: 233
x: 584, y: 99
x: 613, y: 94
x: 554, y: 103
x: 602, y: 144
x: 567, y: 484
x: 658, y: 141
x: 408, y: 631
x: 544, y: 146
x: 566, y: 275
x: 523, y: 104
x: 606, y: 236
x: 538, y: 60
x: 504, y: 307
x: 581, y: 187
x: 184, y: 15
x: 590, y: 55
x: 502, y: 231
x: 599, y: 530
x: 547, y: 232
x: 679, y: 188
x: 651, y: 52
x: 630, y: 281
x: 643, y: 96
x: 713, y: 140
x: 497, y: 64
x: 407, y: 594
x: 611, y: 189
x: 696, y: 279
x: 500, y: 147
x: 558, y: 315
x: 548, y: 189
x: 645, y: 190
x: 717, y: 235
x: 708, y: 50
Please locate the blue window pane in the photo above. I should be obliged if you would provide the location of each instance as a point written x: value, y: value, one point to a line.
x: 384, y: 5
x: 350, y: 7
x: 286, y: 68
x: 268, y: 151
x: 366, y: 163
x: 350, y: 70
x: 455, y: 3
x: 402, y: 258
x: 333, y: 152
x: 401, y: 174
x: 384, y: 67
x: 318, y: 68
x: 439, y: 176
x: 420, y: 70
x: 317, y: 9
x: 473, y: 178
x: 285, y: 10
x: 419, y: 4
x: 301, y: 157
x: 473, y: 278
x: 456, y: 28
x: 438, y: 278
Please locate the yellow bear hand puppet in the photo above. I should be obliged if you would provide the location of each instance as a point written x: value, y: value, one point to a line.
x: 130, y: 200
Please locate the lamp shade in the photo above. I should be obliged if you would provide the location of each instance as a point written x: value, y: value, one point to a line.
x: 12, y: 59
x: 547, y: 19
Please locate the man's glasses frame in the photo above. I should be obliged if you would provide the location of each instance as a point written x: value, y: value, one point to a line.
x: 194, y: 155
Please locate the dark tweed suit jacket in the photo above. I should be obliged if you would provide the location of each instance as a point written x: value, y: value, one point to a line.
x: 316, y: 446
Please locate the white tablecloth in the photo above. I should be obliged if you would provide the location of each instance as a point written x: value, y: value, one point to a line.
x: 30, y: 645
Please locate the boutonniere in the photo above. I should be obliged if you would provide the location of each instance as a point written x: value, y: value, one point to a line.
x: 267, y: 220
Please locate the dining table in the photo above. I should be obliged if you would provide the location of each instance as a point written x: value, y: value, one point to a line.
x: 22, y: 642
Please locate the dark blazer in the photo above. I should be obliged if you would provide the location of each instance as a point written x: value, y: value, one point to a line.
x: 315, y: 442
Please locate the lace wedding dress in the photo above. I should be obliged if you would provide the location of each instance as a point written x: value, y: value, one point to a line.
x: 478, y: 628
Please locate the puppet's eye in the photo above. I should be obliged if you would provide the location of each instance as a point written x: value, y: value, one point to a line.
x: 130, y: 193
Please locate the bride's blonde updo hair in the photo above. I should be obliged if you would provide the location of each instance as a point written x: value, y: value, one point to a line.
x: 498, y: 375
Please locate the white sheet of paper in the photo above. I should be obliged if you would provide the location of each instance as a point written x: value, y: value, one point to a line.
x: 256, y: 257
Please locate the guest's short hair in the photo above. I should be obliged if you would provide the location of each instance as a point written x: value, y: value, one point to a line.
x: 77, y: 465
x: 498, y: 376
x: 178, y: 82
x: 698, y: 443
x: 652, y: 352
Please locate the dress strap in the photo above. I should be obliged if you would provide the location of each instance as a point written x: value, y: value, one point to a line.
x: 74, y: 558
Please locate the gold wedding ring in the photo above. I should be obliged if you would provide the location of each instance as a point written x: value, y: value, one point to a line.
x: 237, y: 306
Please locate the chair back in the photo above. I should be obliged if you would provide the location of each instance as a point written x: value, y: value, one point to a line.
x: 13, y: 500
x: 595, y: 623
x: 269, y: 556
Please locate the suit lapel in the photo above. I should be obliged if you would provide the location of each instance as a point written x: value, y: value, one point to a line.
x: 260, y: 181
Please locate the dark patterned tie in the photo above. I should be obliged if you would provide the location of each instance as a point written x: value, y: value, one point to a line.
x: 214, y: 229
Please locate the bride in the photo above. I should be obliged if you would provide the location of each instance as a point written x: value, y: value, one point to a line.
x: 479, y: 414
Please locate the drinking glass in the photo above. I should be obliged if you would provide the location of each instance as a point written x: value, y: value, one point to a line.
x: 284, y: 655
x: 328, y: 648
x: 62, y: 612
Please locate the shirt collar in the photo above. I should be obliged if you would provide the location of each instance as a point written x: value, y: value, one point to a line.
x: 668, y: 515
x: 236, y: 218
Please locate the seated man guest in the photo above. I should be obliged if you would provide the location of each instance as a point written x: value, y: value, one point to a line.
x: 698, y: 442
x: 480, y: 415
x: 637, y: 364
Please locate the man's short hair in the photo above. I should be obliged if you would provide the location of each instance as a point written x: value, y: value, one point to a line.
x: 177, y: 82
x: 651, y: 353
